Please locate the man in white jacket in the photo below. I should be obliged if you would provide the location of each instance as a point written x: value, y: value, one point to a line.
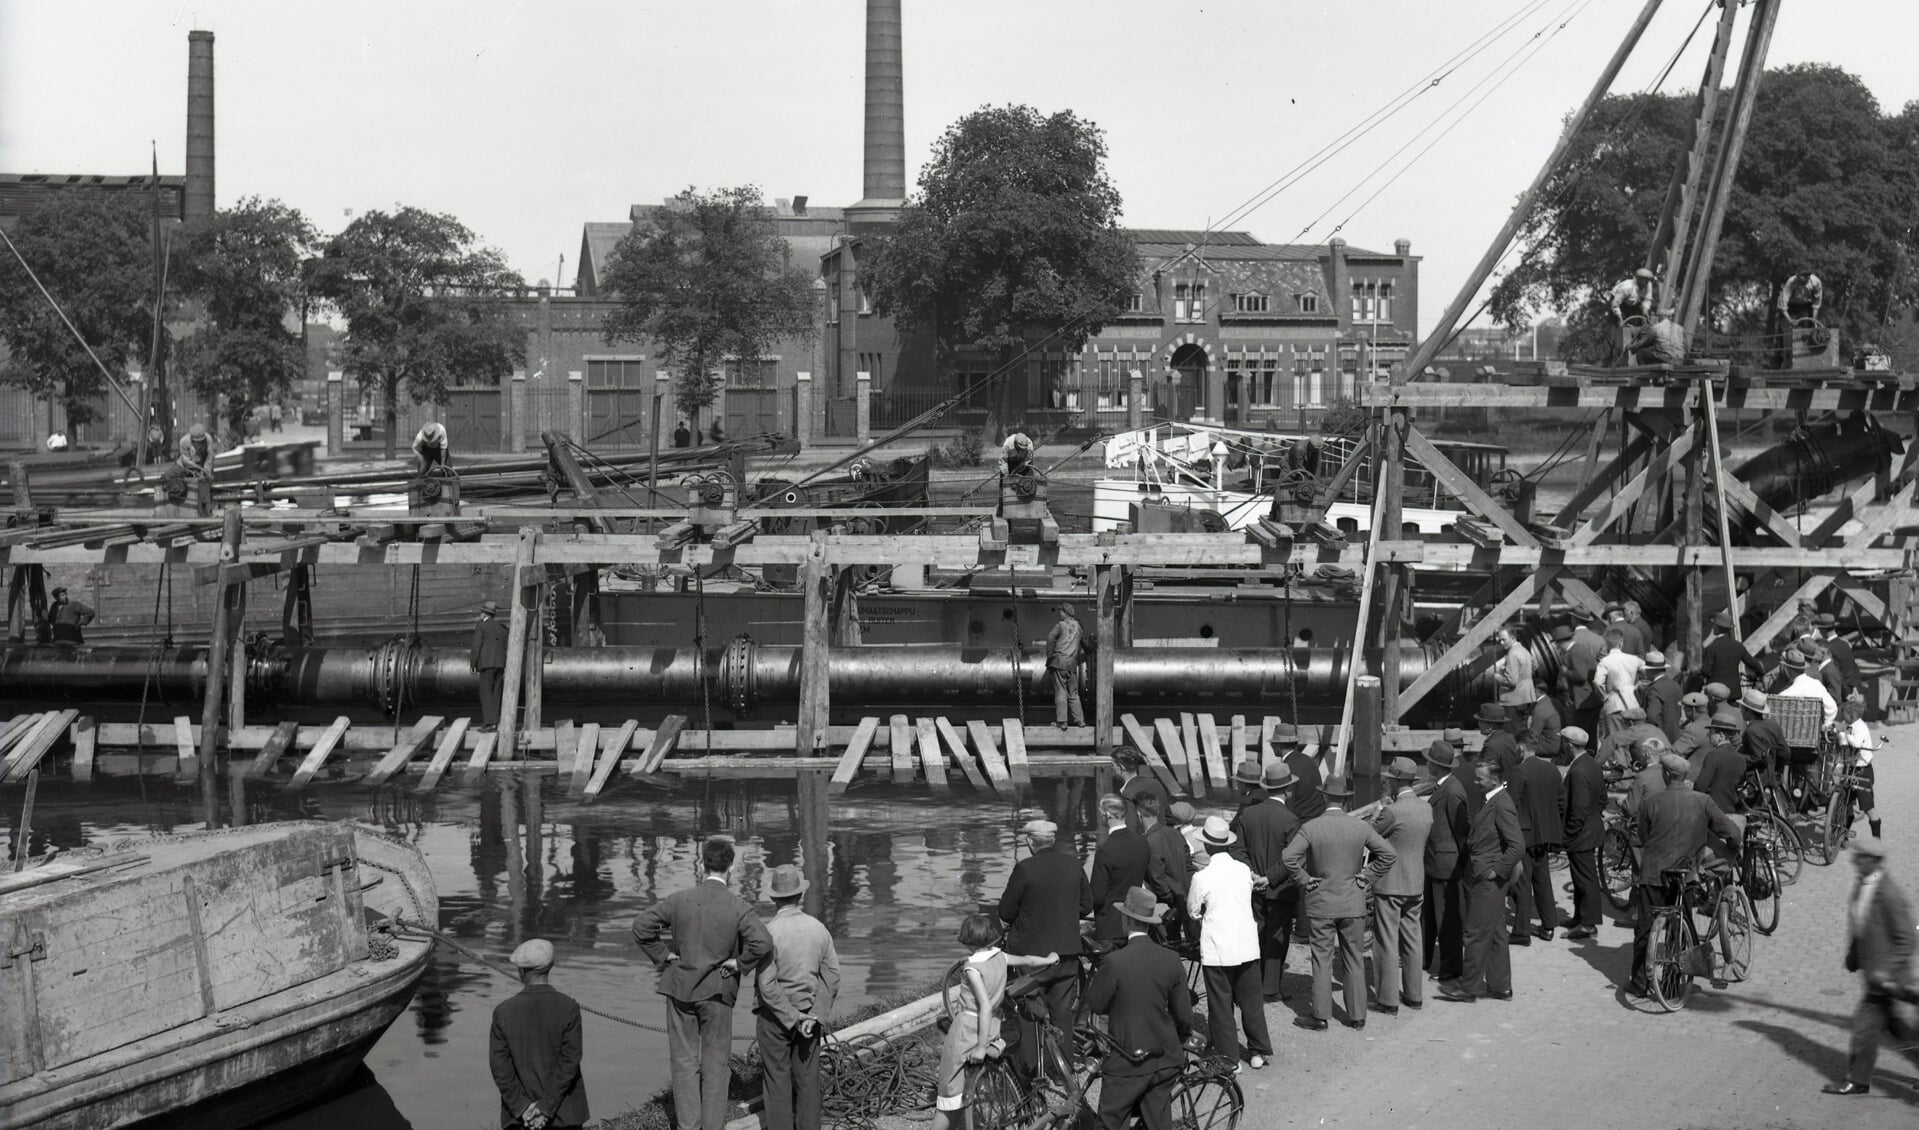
x: 1221, y: 901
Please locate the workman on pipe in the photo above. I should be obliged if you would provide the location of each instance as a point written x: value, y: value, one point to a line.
x: 1062, y: 667
x: 488, y: 660
x: 1799, y: 300
x: 1632, y: 298
x: 68, y: 616
x: 1662, y: 342
x: 196, y: 452
x: 432, y: 447
x: 535, y: 1048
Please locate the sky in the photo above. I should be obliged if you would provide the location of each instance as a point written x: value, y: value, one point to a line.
x: 526, y: 120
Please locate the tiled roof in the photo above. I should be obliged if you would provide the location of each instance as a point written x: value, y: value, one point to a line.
x: 1292, y: 252
x: 1197, y: 238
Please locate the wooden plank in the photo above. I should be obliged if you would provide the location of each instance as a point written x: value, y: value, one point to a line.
x: 566, y: 745
x: 476, y: 765
x: 1175, y: 752
x: 1215, y: 756
x: 281, y: 741
x: 901, y: 728
x: 956, y: 749
x: 1647, y: 480
x: 1268, y: 729
x: 321, y: 752
x: 1143, y: 741
x: 84, y: 734
x: 855, y: 752
x: 17, y: 727
x: 189, y: 766
x: 450, y: 744
x: 1016, y: 763
x: 26, y: 756
x: 586, y: 755
x: 929, y: 743
x: 416, y: 738
x: 661, y: 746
x: 513, y: 678
x: 610, y: 757
x: 989, y: 756
x: 1241, y: 750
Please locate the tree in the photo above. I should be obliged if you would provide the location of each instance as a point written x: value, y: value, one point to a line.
x: 243, y: 266
x: 1825, y: 183
x: 1013, y: 238
x: 93, y: 253
x: 422, y: 305
x: 706, y: 278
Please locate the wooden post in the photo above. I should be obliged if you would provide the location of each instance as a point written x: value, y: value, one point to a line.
x: 237, y: 659
x: 1107, y: 580
x: 1688, y: 530
x: 1709, y: 401
x: 1391, y: 487
x: 218, y: 649
x: 1367, y: 727
x: 815, y: 702
x: 815, y: 823
x: 535, y: 674
x: 515, y: 674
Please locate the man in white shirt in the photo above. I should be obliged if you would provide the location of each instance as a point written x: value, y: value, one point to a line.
x: 1633, y: 297
x: 1807, y: 685
x: 1514, y: 672
x: 1221, y: 901
x: 1617, y: 680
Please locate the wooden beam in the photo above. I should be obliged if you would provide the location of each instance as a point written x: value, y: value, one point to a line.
x: 815, y: 706
x: 610, y: 759
x: 1468, y: 644
x: 1241, y: 750
x: 476, y: 764
x: 277, y: 745
x: 513, y: 678
x: 29, y: 750
x: 854, y: 754
x: 586, y: 757
x: 988, y: 751
x: 1014, y: 733
x: 929, y: 744
x: 321, y: 752
x: 16, y: 728
x: 84, y: 734
x: 1663, y: 464
x: 189, y: 768
x: 450, y: 743
x: 1740, y: 495
x: 901, y: 728
x: 219, y: 654
x: 956, y: 749
x: 661, y: 746
x: 1462, y: 487
x: 403, y: 750
x: 1877, y: 525
x: 1176, y: 755
x: 1209, y: 747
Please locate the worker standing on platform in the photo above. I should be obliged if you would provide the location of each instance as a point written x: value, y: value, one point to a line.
x: 1632, y: 298
x: 1016, y: 454
x: 196, y: 452
x: 1062, y: 667
x: 489, y: 661
x: 68, y: 616
x: 432, y: 447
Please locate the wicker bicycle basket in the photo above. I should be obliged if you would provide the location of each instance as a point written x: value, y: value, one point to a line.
x: 1800, y: 718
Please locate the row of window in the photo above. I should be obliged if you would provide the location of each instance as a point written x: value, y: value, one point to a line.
x: 634, y: 373
x: 1372, y: 301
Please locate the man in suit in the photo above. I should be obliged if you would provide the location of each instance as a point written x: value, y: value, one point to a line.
x: 488, y: 660
x: 1337, y: 858
x: 1541, y: 806
x: 1045, y: 897
x: 1305, y: 800
x: 790, y: 1018
x: 1650, y: 777
x: 1581, y: 666
x: 1500, y: 745
x: 1722, y: 767
x: 1827, y: 626
x: 1265, y: 826
x: 1119, y: 865
x: 1724, y: 655
x: 1141, y: 991
x: 535, y: 1048
x: 1763, y: 743
x: 1169, y: 871
x: 1443, y: 917
x: 1399, y: 895
x: 1494, y: 846
x: 1546, y: 718
x: 1691, y: 741
x: 1585, y: 827
x: 717, y: 939
x: 1879, y: 949
x: 1136, y: 781
x: 1673, y: 826
x: 1636, y: 617
x: 1661, y: 696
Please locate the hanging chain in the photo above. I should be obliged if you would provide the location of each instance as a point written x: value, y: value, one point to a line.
x: 1292, y: 650
x: 1019, y: 650
x: 699, y: 644
x: 413, y: 604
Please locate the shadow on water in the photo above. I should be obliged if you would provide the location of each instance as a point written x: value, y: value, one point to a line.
x: 515, y: 857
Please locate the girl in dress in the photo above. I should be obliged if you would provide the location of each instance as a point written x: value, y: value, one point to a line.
x: 974, y: 1034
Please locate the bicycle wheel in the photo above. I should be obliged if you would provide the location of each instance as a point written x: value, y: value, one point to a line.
x: 1733, y: 921
x: 1206, y: 1101
x: 1666, y: 961
x: 1837, y: 828
x: 1762, y: 887
x: 1616, y: 867
x: 1788, y: 851
x: 1819, y: 848
x: 997, y: 1100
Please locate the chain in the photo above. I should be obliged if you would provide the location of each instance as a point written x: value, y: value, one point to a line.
x: 699, y: 644
x: 1019, y: 650
x: 413, y: 603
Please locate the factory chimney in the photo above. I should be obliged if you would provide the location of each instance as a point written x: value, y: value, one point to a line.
x: 199, y: 194
x: 885, y: 180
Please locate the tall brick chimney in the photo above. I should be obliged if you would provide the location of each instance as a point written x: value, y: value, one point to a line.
x: 884, y: 184
x: 199, y: 194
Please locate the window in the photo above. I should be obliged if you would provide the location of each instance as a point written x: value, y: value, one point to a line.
x: 624, y: 372
x: 1309, y: 372
x: 750, y: 374
x: 1362, y: 301
x: 1112, y: 383
x: 1308, y: 303
x: 1136, y: 303
x: 1249, y: 304
x: 1260, y: 381
x: 1050, y: 385
x: 1384, y: 307
x: 1372, y: 300
x: 873, y: 364
x: 1189, y: 302
x: 866, y: 300
x: 833, y: 302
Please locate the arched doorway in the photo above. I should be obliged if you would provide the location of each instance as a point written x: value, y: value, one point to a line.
x: 1180, y: 396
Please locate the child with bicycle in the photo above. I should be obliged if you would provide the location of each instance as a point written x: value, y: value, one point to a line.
x: 973, y: 1036
x: 1855, y: 735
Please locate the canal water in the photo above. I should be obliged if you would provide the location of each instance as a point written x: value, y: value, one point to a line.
x: 515, y: 858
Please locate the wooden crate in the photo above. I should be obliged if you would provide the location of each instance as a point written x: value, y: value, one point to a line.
x: 1800, y: 718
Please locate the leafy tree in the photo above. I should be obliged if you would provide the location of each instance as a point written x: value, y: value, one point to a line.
x: 706, y: 277
x: 1826, y: 183
x: 93, y: 253
x: 1013, y: 238
x: 422, y: 306
x: 244, y: 268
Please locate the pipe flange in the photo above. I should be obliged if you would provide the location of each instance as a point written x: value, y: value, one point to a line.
x: 392, y: 669
x: 736, y: 674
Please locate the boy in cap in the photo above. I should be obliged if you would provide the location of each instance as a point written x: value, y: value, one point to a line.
x: 534, y: 1049
x: 790, y: 1014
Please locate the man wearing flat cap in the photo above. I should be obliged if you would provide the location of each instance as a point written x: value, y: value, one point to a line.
x: 790, y: 1015
x: 1265, y: 825
x: 1062, y: 666
x: 1585, y: 827
x: 488, y: 660
x: 1880, y: 946
x: 1725, y: 654
x: 1045, y: 897
x: 1673, y: 825
x: 534, y: 1049
x: 1443, y: 917
x: 1141, y: 990
x: 1399, y: 897
x: 68, y: 618
x: 1722, y: 767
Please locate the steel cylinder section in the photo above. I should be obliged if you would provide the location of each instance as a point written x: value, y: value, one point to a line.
x: 68, y: 673
x: 1818, y: 457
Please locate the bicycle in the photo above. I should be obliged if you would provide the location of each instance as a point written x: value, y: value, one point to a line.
x: 1618, y: 860
x: 1837, y: 827
x: 1206, y: 1095
x: 1680, y: 950
x: 1759, y: 875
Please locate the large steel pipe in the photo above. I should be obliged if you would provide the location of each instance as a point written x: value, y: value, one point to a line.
x: 740, y: 677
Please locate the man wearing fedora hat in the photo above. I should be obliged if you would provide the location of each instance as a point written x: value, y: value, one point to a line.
x: 1585, y: 827
x: 1221, y: 901
x: 1827, y: 626
x: 1762, y: 744
x: 1880, y: 947
x: 1264, y: 826
x: 534, y: 1049
x: 1661, y: 696
x: 1801, y: 683
x: 1141, y: 990
x: 1303, y: 796
x: 1443, y: 915
x: 488, y: 660
x: 1494, y: 847
x: 1581, y: 667
x: 1724, y: 654
x: 796, y: 992
x: 1336, y: 858
x: 1500, y: 745
x: 1399, y: 896
x: 1539, y: 795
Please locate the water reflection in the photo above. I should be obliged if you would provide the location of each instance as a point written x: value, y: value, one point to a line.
x: 893, y: 873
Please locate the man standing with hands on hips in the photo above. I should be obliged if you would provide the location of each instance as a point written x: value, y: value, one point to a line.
x: 1336, y: 858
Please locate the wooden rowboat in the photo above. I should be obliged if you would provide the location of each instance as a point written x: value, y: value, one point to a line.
x: 216, y: 978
